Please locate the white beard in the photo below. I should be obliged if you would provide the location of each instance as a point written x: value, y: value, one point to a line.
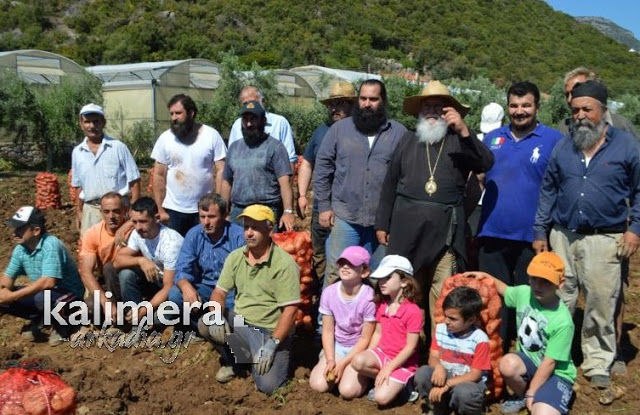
x: 586, y: 134
x: 431, y: 132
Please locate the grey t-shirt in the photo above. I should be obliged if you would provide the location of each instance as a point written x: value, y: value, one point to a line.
x: 254, y: 171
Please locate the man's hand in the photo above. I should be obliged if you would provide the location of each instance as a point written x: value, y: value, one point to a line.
x: 120, y: 238
x: 302, y: 206
x: 383, y: 237
x: 190, y: 295
x: 326, y: 219
x: 164, y: 216
x: 266, y: 355
x: 454, y: 120
x: 78, y: 220
x: 287, y: 221
x: 6, y: 296
x: 142, y: 312
x: 214, y: 332
x: 542, y: 246
x: 628, y: 244
x: 149, y: 268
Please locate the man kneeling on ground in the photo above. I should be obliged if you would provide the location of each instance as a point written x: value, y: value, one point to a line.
x: 147, y: 265
x: 267, y: 284
x: 51, y: 270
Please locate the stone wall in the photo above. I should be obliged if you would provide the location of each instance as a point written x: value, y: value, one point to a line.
x: 28, y: 154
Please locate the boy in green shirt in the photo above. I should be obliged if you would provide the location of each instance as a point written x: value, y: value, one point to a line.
x: 541, y: 372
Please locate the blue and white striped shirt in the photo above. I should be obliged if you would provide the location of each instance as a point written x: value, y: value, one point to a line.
x: 111, y: 169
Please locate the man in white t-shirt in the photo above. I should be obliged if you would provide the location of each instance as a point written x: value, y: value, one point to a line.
x: 276, y: 126
x: 185, y: 157
x: 148, y: 264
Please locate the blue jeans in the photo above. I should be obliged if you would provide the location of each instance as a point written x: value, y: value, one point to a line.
x: 182, y: 222
x: 204, y: 291
x: 32, y: 308
x: 135, y: 287
x: 343, y: 235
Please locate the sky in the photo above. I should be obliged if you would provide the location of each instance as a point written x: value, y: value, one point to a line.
x: 625, y: 13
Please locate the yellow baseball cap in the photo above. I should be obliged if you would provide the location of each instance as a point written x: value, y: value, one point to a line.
x: 547, y: 265
x: 258, y: 212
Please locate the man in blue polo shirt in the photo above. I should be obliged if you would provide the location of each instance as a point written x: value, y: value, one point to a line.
x: 51, y: 270
x: 202, y: 255
x: 521, y: 150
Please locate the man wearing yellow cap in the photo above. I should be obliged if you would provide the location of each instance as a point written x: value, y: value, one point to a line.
x: 267, y: 284
x: 339, y: 105
x: 420, y: 215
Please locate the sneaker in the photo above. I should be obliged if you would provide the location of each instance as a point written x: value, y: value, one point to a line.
x: 371, y: 396
x: 413, y: 396
x: 31, y: 331
x: 55, y: 339
x: 513, y: 405
x: 600, y: 381
x: 619, y: 366
x: 225, y: 374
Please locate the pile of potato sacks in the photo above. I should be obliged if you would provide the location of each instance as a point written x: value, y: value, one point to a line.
x: 298, y: 245
x: 47, y: 191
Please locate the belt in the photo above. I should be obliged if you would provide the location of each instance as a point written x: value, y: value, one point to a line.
x: 96, y: 202
x: 597, y: 231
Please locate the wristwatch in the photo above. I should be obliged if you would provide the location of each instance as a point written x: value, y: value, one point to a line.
x: 276, y: 340
x: 288, y: 211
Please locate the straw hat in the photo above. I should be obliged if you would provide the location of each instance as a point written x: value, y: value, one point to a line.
x: 341, y: 90
x: 434, y: 89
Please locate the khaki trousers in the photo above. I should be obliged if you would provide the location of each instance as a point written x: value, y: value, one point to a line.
x: 90, y: 216
x: 431, y: 282
x: 593, y: 267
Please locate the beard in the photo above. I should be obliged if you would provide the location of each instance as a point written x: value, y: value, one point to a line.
x: 586, y: 133
x: 368, y: 120
x: 254, y: 135
x: 182, y: 129
x: 431, y: 132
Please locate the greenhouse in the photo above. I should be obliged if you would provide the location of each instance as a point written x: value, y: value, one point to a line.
x: 139, y: 92
x: 39, y: 67
x: 321, y: 78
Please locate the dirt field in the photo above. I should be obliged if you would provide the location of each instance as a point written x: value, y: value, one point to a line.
x: 136, y: 381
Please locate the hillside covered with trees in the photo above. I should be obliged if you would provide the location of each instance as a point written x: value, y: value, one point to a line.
x: 502, y: 40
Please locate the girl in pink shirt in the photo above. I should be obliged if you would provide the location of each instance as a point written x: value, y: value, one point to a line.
x: 348, y: 322
x: 392, y: 357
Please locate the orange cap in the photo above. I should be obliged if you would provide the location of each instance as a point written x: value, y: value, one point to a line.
x: 547, y: 265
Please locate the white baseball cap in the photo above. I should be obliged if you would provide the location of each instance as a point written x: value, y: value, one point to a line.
x: 92, y: 109
x: 392, y: 263
x: 26, y: 215
x: 491, y: 118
